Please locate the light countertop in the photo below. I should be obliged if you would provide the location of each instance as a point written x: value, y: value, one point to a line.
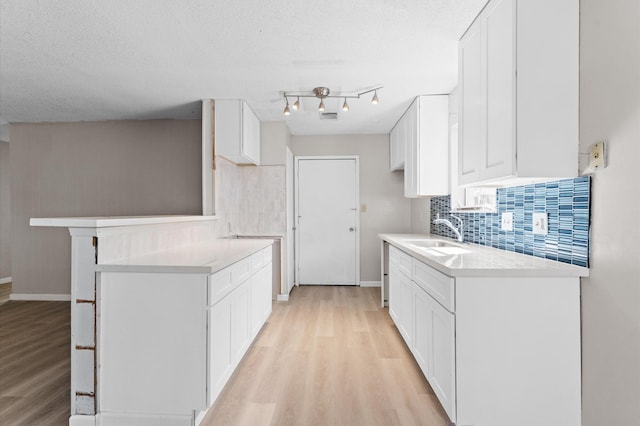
x: 109, y: 221
x: 207, y: 258
x: 483, y: 261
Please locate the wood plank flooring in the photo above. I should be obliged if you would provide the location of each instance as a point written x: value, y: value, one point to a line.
x: 330, y: 356
x: 35, y: 339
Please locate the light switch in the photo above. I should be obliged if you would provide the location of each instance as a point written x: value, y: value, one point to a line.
x: 540, y: 223
x: 506, y: 223
x: 363, y: 208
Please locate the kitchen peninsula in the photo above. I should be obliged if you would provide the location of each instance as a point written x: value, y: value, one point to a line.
x: 161, y: 314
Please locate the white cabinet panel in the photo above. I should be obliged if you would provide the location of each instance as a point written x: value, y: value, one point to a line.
x: 139, y: 337
x: 422, y: 334
x: 237, y: 131
x: 426, y: 165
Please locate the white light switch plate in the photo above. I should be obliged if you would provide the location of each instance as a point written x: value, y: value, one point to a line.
x: 506, y: 223
x: 540, y: 223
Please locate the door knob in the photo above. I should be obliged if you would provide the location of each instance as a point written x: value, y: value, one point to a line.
x: 352, y: 229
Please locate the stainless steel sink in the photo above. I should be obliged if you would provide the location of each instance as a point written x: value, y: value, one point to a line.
x: 430, y: 243
x: 437, y: 247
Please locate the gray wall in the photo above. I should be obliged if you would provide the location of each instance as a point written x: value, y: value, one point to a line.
x: 610, y: 110
x: 115, y: 168
x: 5, y: 212
x: 381, y: 191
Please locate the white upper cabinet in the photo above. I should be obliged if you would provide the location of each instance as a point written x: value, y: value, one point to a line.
x: 426, y: 129
x: 518, y: 84
x: 237, y: 130
x: 397, y: 142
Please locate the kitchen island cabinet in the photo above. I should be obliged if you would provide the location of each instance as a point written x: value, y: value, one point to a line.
x: 162, y: 312
x: 495, y: 333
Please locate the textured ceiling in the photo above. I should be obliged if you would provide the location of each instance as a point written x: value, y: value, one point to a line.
x: 79, y: 60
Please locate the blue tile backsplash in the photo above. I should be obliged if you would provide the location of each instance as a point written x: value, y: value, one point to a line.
x: 566, y: 203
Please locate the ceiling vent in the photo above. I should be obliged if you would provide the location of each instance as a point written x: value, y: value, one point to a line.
x: 328, y: 116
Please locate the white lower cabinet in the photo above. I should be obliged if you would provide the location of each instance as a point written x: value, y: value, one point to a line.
x: 496, y: 350
x: 434, y: 347
x: 236, y: 319
x: 167, y: 343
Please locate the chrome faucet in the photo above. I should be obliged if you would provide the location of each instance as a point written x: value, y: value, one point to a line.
x: 458, y: 231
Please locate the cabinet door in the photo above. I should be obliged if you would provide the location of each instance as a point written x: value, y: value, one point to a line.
x: 250, y: 134
x: 471, y: 107
x: 219, y: 347
x: 422, y: 329
x: 442, y: 357
x: 396, y: 148
x: 240, y: 333
x: 406, y: 309
x: 260, y: 298
x: 411, y: 150
x: 394, y: 291
x: 499, y: 148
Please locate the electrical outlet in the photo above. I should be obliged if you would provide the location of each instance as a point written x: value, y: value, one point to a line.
x: 506, y: 223
x: 540, y: 223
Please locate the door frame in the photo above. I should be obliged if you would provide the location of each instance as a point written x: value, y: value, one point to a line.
x: 296, y: 185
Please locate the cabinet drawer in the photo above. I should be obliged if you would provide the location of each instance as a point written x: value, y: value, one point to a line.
x: 257, y: 260
x: 436, y: 284
x: 241, y: 270
x: 220, y: 284
x: 401, y: 259
x: 268, y: 254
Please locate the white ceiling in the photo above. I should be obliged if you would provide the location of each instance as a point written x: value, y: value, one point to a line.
x: 80, y: 60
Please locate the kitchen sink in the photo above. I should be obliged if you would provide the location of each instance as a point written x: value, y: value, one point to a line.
x: 437, y: 247
x: 430, y: 243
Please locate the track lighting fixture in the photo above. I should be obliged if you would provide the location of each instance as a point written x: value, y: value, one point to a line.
x: 322, y: 93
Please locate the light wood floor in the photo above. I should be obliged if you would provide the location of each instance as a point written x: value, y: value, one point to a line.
x: 35, y: 339
x: 330, y: 356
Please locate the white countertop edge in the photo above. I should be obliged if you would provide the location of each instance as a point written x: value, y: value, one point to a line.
x: 109, y: 221
x: 537, y: 267
x: 203, y: 258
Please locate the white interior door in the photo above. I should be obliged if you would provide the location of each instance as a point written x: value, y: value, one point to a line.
x: 327, y: 220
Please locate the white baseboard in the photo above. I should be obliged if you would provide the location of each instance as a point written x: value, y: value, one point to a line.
x: 41, y: 297
x: 283, y: 298
x: 370, y: 284
x: 77, y: 420
x: 5, y: 280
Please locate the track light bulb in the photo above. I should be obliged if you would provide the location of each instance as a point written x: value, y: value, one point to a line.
x: 286, y: 111
x: 296, y: 104
x: 345, y: 105
x: 375, y: 99
x: 321, y: 106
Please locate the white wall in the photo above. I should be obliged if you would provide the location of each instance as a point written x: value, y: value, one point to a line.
x: 5, y: 212
x: 114, y: 168
x: 381, y: 191
x: 610, y: 110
